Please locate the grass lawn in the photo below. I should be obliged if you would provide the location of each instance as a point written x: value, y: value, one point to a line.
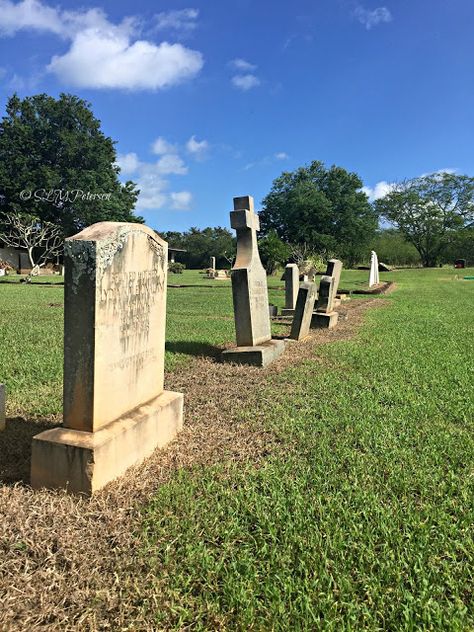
x: 361, y: 518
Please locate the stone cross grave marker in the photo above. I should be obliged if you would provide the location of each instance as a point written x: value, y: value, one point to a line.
x: 250, y: 293
x: 374, y: 278
x: 304, y: 311
x: 325, y: 316
x: 292, y: 282
x: 116, y: 411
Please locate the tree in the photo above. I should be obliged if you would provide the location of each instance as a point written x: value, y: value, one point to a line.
x: 392, y: 248
x: 273, y: 251
x: 42, y: 241
x: 430, y: 210
x: 57, y: 164
x: 324, y: 208
x: 201, y: 244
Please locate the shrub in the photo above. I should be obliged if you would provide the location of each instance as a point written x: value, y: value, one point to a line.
x: 176, y: 268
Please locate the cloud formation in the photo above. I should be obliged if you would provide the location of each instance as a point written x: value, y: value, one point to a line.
x: 102, y: 54
x: 180, y: 20
x: 245, y: 82
x: 152, y: 178
x: 242, y: 65
x: 197, y: 148
x: 372, y: 18
x: 380, y: 190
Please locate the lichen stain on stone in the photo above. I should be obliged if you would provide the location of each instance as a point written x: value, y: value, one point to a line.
x: 82, y: 256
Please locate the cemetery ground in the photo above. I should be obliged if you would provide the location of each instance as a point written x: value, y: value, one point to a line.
x: 333, y: 490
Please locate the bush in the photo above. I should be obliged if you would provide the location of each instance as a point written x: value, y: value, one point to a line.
x: 176, y: 268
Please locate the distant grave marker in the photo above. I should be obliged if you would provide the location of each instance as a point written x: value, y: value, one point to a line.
x: 250, y: 293
x: 374, y: 278
x: 292, y: 276
x: 325, y: 316
x: 304, y: 311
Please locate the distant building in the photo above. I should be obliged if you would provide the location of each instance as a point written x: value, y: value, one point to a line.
x: 172, y: 252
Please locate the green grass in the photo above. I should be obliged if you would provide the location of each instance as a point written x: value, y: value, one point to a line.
x: 366, y: 520
x: 362, y: 520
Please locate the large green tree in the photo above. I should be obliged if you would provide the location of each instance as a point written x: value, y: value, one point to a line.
x: 57, y: 164
x: 324, y: 208
x: 201, y: 244
x: 431, y: 211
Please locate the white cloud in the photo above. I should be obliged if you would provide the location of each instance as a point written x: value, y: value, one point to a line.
x: 281, y: 155
x: 380, y: 190
x: 162, y: 146
x: 171, y: 163
x: 128, y: 163
x: 108, y: 59
x: 245, y: 82
x: 371, y: 18
x: 242, y: 64
x: 103, y: 54
x: 198, y: 149
x: 180, y: 20
x: 181, y: 201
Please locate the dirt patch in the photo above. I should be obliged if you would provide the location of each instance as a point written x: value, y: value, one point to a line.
x: 69, y: 563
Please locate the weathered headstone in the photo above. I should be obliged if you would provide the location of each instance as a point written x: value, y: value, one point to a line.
x: 325, y: 316
x: 116, y: 411
x: 304, y: 311
x: 250, y: 293
x: 292, y: 281
x: 2, y: 407
x: 374, y: 278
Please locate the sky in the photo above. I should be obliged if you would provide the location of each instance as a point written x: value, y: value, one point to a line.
x: 214, y: 99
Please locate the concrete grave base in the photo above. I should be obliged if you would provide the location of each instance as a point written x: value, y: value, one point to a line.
x: 324, y: 321
x: 260, y: 355
x: 2, y: 407
x: 287, y: 312
x: 83, y: 462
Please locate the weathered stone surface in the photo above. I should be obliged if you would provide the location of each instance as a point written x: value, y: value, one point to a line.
x: 292, y: 276
x: 304, y: 311
x: 321, y: 320
x: 328, y: 286
x: 259, y: 355
x: 249, y: 279
x: 114, y: 343
x: 2, y: 406
x: 213, y: 263
x: 374, y: 269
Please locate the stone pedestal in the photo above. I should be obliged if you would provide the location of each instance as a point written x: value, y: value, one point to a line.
x: 259, y: 355
x: 83, y: 462
x: 115, y: 409
x: 250, y: 293
x: 324, y: 321
x: 2, y: 407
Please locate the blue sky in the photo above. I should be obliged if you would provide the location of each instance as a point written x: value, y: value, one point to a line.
x: 210, y: 100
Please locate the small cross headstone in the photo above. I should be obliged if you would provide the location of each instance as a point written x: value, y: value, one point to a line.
x: 249, y: 292
x: 292, y: 276
x: 116, y: 411
x: 374, y: 278
x: 304, y: 311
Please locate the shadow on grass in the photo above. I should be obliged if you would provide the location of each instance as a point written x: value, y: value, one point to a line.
x: 15, y: 448
x: 189, y: 347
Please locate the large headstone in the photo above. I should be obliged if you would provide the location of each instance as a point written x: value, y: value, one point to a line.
x: 292, y: 276
x: 250, y: 293
x: 325, y: 316
x: 304, y: 311
x: 2, y: 407
x: 116, y: 411
x: 374, y: 278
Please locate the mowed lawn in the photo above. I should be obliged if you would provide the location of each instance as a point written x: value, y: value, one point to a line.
x: 364, y: 516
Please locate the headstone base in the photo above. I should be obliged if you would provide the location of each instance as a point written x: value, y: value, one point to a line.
x: 2, y: 407
x: 324, y: 321
x: 287, y: 312
x: 260, y: 355
x: 83, y: 462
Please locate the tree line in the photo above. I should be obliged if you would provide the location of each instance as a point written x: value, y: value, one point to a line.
x: 53, y: 152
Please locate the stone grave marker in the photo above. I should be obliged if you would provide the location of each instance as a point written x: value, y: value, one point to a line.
x: 250, y: 293
x: 374, y: 278
x: 292, y: 282
x: 2, y: 407
x: 325, y: 316
x: 304, y: 311
x: 116, y: 411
